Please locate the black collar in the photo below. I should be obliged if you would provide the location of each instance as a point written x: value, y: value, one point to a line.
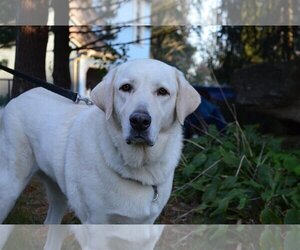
x: 155, y: 195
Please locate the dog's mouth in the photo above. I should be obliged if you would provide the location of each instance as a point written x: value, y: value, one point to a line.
x: 139, y: 139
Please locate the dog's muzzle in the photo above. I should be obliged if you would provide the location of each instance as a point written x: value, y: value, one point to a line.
x: 140, y: 122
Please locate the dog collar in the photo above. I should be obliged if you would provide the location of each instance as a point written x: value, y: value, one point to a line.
x: 155, y: 196
x: 154, y: 187
x: 155, y: 191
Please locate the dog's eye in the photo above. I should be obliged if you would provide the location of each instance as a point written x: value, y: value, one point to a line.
x: 126, y: 87
x: 162, y: 91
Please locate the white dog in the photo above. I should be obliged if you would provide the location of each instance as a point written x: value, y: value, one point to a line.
x: 5, y: 231
x: 106, y: 236
x: 89, y: 237
x: 113, y: 162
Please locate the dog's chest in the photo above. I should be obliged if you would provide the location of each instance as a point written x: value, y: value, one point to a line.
x: 123, y: 219
x: 135, y: 207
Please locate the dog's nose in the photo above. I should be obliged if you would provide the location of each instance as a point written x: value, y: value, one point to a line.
x: 140, y: 121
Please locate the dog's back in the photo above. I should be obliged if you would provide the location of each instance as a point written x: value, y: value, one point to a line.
x: 28, y: 121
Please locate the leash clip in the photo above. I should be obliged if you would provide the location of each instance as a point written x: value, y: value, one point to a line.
x: 86, y: 100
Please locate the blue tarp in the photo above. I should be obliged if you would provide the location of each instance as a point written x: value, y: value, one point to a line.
x: 208, y: 113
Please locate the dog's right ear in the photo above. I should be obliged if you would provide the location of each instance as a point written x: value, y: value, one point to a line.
x: 103, y: 94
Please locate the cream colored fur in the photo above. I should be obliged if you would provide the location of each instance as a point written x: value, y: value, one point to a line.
x: 81, y: 152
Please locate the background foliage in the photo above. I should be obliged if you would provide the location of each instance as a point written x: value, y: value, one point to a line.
x: 239, y: 176
x: 240, y: 46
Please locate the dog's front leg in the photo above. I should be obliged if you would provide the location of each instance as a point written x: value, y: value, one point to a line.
x: 5, y: 231
x: 55, y: 237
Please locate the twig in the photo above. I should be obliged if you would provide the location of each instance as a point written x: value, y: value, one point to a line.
x: 259, y: 161
x: 99, y: 6
x: 120, y: 44
x: 240, y: 165
x: 202, y: 173
x: 194, y: 143
x: 185, y: 214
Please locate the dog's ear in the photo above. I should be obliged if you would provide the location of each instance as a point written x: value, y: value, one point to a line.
x: 188, y: 99
x: 103, y: 94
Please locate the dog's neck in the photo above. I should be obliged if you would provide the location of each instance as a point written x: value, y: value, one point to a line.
x: 148, y: 165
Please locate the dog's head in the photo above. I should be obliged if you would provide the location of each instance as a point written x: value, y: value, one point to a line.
x: 145, y: 97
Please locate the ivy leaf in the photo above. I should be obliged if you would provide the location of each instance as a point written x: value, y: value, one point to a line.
x: 196, y: 164
x: 229, y: 182
x: 292, y: 216
x: 265, y: 175
x: 242, y: 203
x: 267, y: 216
x: 211, y: 192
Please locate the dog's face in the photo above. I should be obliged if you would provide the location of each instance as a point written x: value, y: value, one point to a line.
x: 145, y: 97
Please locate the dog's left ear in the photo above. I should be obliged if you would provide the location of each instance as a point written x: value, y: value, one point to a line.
x: 188, y: 99
x: 103, y: 94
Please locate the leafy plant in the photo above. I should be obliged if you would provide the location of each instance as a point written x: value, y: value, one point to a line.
x: 239, y: 176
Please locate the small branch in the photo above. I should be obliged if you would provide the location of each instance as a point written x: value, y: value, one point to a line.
x: 195, y: 144
x: 117, y: 3
x: 104, y: 37
x: 202, y: 173
x: 133, y: 21
x: 95, y: 30
x: 118, y: 44
x: 240, y: 165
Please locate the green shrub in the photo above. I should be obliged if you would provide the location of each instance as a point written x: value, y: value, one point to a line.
x: 240, y: 176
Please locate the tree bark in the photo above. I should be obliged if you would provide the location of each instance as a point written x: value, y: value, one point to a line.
x: 31, y: 47
x: 61, y: 70
x: 31, y: 42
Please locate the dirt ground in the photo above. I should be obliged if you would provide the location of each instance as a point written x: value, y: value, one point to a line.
x: 32, y: 206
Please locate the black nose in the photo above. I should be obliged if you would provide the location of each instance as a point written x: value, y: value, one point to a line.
x: 140, y: 120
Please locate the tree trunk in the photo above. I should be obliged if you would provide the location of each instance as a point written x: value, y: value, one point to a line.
x: 31, y: 47
x: 61, y: 70
x: 31, y: 43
